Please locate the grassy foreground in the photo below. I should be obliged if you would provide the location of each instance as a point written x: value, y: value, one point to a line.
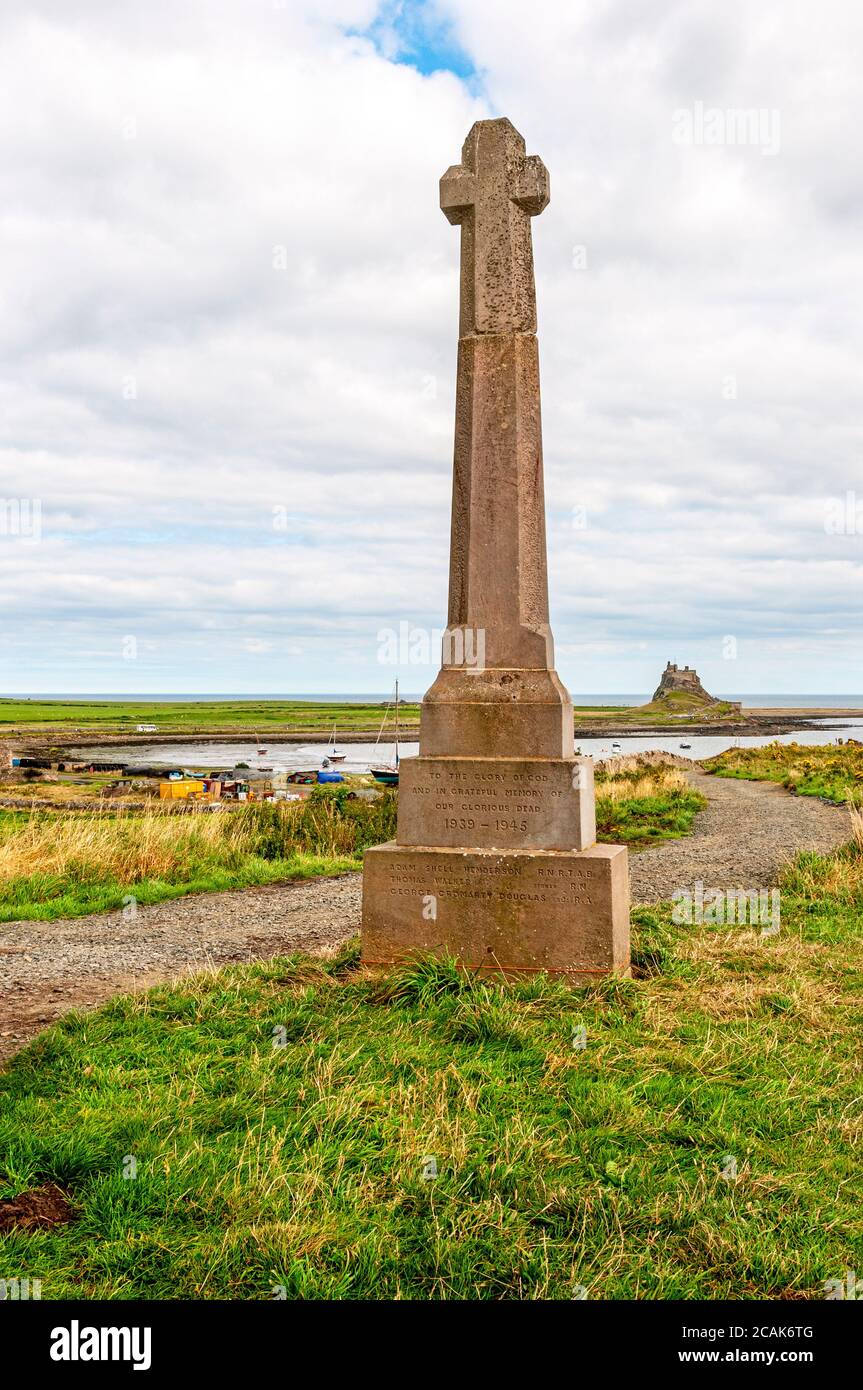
x: 273, y: 1130
x: 67, y: 863
x: 829, y: 771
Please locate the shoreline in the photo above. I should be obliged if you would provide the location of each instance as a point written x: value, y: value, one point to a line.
x: 759, y: 723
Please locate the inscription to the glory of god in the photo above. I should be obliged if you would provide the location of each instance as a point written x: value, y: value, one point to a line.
x: 496, y: 803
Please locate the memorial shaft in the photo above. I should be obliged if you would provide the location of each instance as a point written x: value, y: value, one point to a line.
x: 497, y: 691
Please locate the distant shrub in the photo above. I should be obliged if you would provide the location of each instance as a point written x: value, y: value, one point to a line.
x: 329, y: 822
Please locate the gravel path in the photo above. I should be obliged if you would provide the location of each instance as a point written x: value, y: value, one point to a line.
x: 747, y: 831
x: 46, y: 968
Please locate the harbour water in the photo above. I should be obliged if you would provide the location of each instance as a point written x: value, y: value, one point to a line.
x: 290, y: 757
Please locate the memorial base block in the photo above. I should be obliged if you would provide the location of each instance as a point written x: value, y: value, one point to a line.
x: 506, y: 911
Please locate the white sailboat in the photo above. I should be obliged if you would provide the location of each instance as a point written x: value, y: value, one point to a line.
x: 388, y: 773
x: 334, y: 754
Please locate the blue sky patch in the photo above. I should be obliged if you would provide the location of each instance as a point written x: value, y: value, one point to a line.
x: 414, y: 32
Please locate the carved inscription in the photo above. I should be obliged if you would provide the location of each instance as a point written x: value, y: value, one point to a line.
x: 485, y: 801
x: 498, y: 881
x: 491, y: 805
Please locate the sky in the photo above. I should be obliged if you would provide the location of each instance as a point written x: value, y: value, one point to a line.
x: 228, y: 330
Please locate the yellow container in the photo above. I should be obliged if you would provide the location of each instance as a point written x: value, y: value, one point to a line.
x: 179, y: 790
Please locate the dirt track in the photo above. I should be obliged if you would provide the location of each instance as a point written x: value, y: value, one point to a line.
x: 748, y: 830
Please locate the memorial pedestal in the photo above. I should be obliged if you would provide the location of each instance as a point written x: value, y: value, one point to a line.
x: 513, y: 912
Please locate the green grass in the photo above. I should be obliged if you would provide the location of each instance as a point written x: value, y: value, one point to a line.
x: 252, y: 845
x: 10, y: 821
x: 48, y: 898
x: 284, y: 717
x: 300, y: 1166
x: 640, y: 822
x: 177, y: 716
x: 680, y: 707
x: 829, y: 771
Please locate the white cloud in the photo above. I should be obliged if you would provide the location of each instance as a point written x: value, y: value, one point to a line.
x: 228, y: 289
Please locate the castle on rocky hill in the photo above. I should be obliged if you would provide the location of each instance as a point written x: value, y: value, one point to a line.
x: 685, y: 679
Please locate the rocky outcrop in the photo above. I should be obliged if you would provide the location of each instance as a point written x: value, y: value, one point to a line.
x: 684, y: 680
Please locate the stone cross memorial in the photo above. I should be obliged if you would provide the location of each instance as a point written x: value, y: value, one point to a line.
x: 495, y: 859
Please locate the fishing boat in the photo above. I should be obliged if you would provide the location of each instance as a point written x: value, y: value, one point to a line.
x: 388, y: 773
x: 615, y: 748
x: 261, y: 751
x: 686, y: 745
x: 334, y: 754
x: 388, y: 776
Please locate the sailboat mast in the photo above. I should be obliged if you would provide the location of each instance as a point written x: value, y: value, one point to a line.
x: 397, y: 723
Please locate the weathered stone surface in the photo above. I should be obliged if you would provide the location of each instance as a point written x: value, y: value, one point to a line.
x: 498, y: 590
x: 519, y: 714
x: 495, y: 858
x: 492, y: 196
x: 498, y: 580
x: 497, y: 803
x: 511, y: 911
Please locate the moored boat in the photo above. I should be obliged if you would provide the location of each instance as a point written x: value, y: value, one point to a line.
x: 388, y: 773
x: 388, y: 776
x: 335, y: 754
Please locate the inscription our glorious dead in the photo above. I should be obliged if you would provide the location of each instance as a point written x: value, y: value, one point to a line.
x: 493, y: 793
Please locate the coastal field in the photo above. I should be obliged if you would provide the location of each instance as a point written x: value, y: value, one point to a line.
x: 301, y: 1128
x: 59, y: 862
x: 832, y: 772
x: 290, y: 718
x: 55, y: 722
